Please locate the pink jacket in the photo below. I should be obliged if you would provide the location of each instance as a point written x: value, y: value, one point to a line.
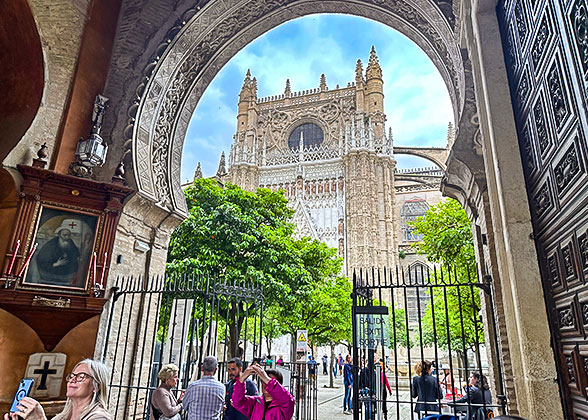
x: 281, y: 407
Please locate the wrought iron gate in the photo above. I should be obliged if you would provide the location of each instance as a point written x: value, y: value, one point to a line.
x: 405, y: 317
x: 180, y: 320
x: 546, y: 51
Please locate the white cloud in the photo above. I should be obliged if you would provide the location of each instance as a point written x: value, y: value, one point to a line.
x: 416, y: 101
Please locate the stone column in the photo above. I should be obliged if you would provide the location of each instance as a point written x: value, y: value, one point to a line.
x: 141, y: 244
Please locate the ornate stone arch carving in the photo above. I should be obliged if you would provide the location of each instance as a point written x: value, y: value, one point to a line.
x: 204, y: 39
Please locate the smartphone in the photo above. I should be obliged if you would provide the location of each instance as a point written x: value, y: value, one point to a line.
x: 24, y: 389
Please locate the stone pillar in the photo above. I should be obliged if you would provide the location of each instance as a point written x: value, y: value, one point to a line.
x: 141, y: 244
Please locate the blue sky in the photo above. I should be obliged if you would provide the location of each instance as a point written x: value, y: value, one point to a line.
x: 417, y: 104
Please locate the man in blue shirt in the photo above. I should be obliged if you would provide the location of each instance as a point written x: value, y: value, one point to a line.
x: 234, y: 368
x: 312, y: 368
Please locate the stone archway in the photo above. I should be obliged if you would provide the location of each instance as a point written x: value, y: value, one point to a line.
x: 204, y: 38
x: 436, y: 155
x: 22, y: 78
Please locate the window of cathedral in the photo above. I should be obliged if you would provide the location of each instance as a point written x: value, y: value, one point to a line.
x: 410, y: 211
x: 312, y: 134
x: 417, y: 273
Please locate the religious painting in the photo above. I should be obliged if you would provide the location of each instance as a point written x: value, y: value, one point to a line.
x: 64, y: 252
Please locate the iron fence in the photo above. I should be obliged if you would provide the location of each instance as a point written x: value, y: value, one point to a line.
x: 176, y: 319
x: 407, y: 317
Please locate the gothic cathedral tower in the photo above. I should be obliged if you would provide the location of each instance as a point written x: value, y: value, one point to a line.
x: 328, y: 151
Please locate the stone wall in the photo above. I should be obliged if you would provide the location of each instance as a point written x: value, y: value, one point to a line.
x: 60, y: 25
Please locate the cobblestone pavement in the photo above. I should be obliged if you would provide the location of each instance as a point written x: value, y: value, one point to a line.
x: 330, y: 402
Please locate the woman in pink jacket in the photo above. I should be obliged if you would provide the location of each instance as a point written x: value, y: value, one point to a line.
x: 276, y: 403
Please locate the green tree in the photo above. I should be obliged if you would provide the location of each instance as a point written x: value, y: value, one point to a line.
x: 241, y: 237
x: 321, y: 305
x: 447, y: 237
x: 247, y: 237
x: 397, y: 331
x: 451, y: 321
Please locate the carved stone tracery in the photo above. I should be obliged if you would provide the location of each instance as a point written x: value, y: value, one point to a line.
x: 205, y: 39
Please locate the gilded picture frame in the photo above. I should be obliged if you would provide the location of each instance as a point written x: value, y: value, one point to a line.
x: 66, y: 239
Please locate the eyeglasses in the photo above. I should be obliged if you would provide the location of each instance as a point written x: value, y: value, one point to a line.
x: 77, y: 377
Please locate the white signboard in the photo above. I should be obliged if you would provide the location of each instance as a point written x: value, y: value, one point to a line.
x: 301, y: 340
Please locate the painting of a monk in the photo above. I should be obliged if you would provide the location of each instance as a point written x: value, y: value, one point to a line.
x: 65, y: 246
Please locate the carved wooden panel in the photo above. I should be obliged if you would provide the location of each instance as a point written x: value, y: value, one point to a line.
x: 546, y: 52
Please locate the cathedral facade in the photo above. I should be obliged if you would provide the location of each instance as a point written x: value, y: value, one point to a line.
x: 329, y: 151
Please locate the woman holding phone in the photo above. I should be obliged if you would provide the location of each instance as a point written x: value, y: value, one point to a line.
x: 87, y: 393
x: 276, y: 403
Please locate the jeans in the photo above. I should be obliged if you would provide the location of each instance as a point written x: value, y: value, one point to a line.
x: 347, y: 398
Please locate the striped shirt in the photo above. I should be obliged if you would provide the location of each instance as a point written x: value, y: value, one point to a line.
x: 204, y: 399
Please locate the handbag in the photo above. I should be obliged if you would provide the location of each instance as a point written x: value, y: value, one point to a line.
x: 159, y: 415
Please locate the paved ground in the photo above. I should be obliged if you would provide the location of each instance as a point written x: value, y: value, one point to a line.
x: 330, y: 402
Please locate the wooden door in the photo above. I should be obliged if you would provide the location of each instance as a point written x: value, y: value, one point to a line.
x: 546, y: 51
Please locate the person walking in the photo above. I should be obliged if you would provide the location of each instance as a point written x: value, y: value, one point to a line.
x: 348, y: 385
x: 312, y: 368
x: 205, y: 398
x: 235, y: 368
x: 340, y: 362
x: 385, y: 386
x: 276, y: 403
x: 325, y: 360
x: 426, y: 389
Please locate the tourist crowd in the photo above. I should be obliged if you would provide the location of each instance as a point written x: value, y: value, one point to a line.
x: 204, y: 399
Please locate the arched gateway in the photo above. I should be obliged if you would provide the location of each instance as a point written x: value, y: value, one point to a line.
x: 154, y: 58
x: 205, y: 37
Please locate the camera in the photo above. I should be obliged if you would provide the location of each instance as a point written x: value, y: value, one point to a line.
x: 257, y: 360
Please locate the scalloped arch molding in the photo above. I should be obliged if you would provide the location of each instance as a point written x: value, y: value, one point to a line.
x: 205, y: 38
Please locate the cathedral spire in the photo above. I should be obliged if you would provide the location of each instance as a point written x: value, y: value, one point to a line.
x: 358, y: 72
x: 222, y: 169
x: 198, y: 172
x: 254, y: 89
x: 288, y: 90
x: 373, y: 70
x: 323, y: 84
x: 245, y: 93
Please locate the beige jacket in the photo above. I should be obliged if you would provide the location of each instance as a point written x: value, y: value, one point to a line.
x: 97, y: 412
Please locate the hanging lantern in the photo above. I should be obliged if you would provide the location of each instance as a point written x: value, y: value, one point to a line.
x: 91, y: 152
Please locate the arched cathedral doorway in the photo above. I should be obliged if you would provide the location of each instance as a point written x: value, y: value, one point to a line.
x: 166, y: 53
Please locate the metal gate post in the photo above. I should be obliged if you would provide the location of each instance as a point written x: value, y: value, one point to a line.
x: 355, y: 400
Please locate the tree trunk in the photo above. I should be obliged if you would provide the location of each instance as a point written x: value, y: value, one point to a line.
x: 235, y: 327
x: 332, y: 345
x: 268, y: 342
x: 232, y: 330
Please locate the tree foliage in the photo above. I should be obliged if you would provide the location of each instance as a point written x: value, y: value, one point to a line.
x: 447, y: 237
x: 399, y: 335
x: 237, y: 235
x: 452, y: 320
x: 248, y: 238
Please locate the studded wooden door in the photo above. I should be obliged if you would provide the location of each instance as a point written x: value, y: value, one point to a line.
x: 546, y: 50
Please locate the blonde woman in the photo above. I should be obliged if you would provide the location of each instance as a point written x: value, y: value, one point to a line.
x: 164, y: 403
x: 87, y: 393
